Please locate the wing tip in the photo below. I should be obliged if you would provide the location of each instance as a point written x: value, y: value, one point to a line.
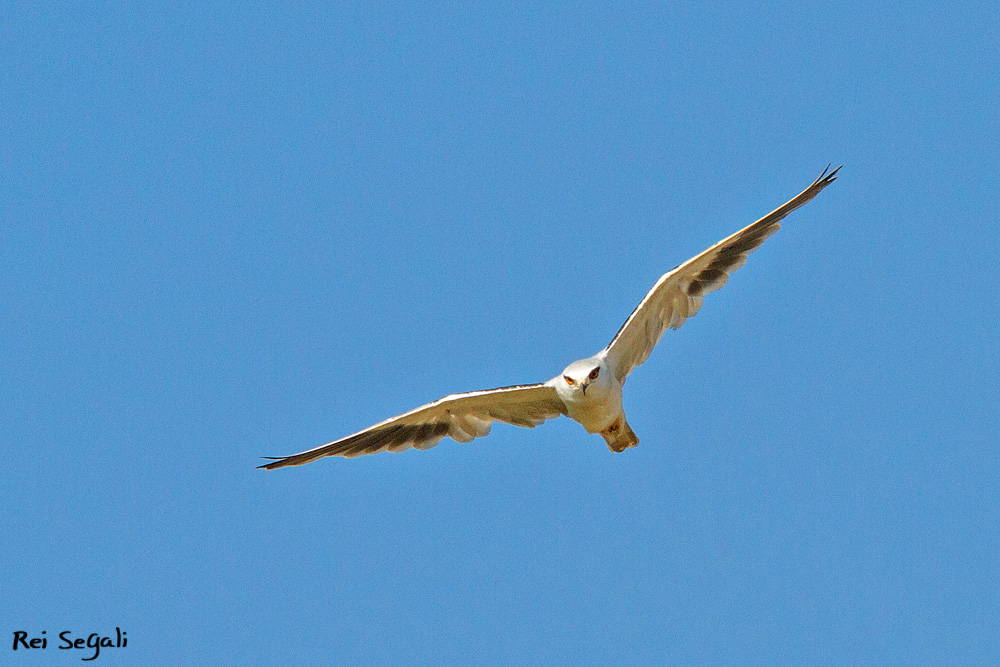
x: 275, y: 462
x: 826, y: 178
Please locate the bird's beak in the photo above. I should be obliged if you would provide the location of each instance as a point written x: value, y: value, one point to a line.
x: 583, y: 387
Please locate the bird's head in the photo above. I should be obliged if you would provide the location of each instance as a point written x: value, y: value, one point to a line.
x: 588, y: 377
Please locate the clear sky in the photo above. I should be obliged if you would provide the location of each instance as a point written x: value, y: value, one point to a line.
x: 246, y: 230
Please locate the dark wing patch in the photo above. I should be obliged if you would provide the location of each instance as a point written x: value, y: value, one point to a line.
x: 733, y: 252
x: 727, y: 260
x: 391, y: 437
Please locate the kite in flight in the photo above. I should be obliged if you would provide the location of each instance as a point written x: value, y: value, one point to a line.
x: 589, y: 390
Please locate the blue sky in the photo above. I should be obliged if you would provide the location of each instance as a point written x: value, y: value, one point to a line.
x: 236, y: 231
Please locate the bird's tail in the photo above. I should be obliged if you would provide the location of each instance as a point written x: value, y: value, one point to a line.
x: 619, y: 435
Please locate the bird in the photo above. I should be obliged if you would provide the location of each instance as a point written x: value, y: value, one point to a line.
x: 588, y: 391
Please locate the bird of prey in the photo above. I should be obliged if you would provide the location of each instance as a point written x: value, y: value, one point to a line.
x: 589, y: 390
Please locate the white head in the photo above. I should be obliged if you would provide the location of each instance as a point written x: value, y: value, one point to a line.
x: 586, y: 379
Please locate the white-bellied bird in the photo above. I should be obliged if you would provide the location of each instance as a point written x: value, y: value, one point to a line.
x: 589, y: 390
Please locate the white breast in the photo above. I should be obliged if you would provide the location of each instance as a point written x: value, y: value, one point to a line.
x: 596, y: 409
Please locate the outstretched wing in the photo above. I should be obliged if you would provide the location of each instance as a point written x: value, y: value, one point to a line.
x: 677, y: 295
x: 461, y: 417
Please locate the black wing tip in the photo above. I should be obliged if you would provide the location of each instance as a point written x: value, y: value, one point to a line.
x: 825, y: 178
x: 276, y: 462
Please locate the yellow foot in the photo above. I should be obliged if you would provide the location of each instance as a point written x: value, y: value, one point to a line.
x: 619, y: 436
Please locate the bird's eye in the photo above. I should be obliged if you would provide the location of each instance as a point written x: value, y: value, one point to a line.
x: 594, y: 373
x: 568, y: 379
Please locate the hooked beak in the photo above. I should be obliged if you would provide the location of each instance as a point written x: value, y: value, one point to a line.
x: 583, y: 387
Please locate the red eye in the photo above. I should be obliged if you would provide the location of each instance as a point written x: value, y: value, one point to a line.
x: 594, y: 373
x: 568, y: 379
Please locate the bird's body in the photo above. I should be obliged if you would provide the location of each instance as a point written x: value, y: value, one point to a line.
x: 594, y: 402
x: 588, y: 391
